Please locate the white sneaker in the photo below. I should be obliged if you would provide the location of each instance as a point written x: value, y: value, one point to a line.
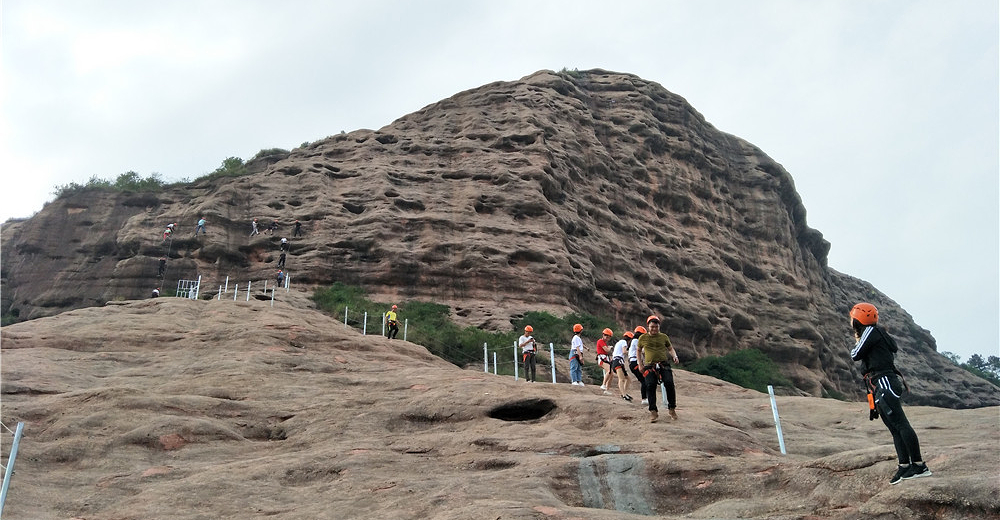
x: 645, y: 401
x: 604, y: 387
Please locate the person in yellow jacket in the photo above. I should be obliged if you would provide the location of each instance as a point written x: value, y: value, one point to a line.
x: 392, y: 325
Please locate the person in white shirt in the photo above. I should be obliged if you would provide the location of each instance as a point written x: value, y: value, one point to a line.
x: 528, y: 349
x: 618, y: 364
x: 576, y: 349
x: 633, y: 361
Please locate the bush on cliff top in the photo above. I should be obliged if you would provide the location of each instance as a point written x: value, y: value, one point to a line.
x: 429, y: 324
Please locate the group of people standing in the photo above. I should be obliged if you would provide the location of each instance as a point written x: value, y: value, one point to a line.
x: 646, y: 352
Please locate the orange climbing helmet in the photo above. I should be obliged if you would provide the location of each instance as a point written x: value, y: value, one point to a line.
x: 577, y: 328
x: 393, y: 307
x: 652, y: 317
x: 628, y: 334
x: 865, y: 313
x: 608, y: 332
x: 527, y: 328
x: 640, y: 329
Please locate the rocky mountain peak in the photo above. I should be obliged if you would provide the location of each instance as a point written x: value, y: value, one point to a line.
x: 589, y: 191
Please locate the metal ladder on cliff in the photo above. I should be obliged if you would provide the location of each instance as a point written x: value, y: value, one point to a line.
x: 9, y: 469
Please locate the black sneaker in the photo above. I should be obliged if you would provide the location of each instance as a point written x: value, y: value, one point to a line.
x: 917, y: 471
x: 900, y: 474
x: 627, y: 397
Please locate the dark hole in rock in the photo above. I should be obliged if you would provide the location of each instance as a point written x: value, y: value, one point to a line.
x: 526, y: 410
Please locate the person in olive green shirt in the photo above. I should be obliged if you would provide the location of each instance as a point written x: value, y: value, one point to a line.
x: 654, y: 354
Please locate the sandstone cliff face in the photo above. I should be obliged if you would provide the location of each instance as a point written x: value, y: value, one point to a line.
x: 592, y: 191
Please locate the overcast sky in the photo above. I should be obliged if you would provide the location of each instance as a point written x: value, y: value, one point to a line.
x: 884, y: 112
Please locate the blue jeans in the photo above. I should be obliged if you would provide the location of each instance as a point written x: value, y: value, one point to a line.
x: 575, y: 370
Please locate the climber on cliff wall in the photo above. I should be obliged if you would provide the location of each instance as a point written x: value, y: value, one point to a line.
x: 201, y: 226
x: 633, y: 360
x: 653, y: 355
x: 253, y: 228
x: 876, y: 350
x: 168, y: 232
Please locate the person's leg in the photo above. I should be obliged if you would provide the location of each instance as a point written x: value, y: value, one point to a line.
x: 667, y: 378
x: 607, y: 374
x: 652, y: 380
x: 904, y: 439
x: 634, y: 368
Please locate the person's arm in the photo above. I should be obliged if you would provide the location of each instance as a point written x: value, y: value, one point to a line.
x: 861, y: 348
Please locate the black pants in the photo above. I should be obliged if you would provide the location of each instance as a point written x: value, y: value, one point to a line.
x: 888, y: 391
x: 529, y: 365
x: 655, y: 374
x: 633, y: 366
x: 392, y: 331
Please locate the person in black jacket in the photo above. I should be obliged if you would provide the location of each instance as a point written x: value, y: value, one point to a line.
x: 876, y: 351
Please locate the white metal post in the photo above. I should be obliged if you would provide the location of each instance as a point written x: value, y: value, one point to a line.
x: 383, y: 327
x: 345, y: 315
x: 515, y: 362
x: 364, y: 328
x: 197, y: 289
x: 494, y: 362
x: 777, y: 421
x: 227, y: 284
x: 406, y: 326
x: 236, y: 290
x: 272, y: 297
x: 248, y: 292
x: 486, y: 359
x: 10, y: 465
x: 219, y: 296
x: 552, y: 361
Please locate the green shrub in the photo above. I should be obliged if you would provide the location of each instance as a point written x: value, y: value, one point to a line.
x: 129, y: 181
x: 231, y: 167
x: 267, y: 152
x: 429, y: 324
x: 748, y: 368
x: 13, y: 316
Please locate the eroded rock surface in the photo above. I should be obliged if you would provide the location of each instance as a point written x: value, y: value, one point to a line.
x: 594, y: 191
x: 234, y: 410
